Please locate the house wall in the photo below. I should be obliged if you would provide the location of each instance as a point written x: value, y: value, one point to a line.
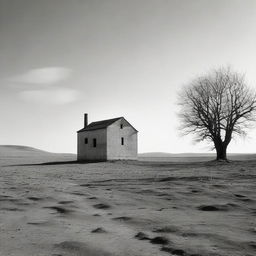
x: 86, y: 152
x: 114, y: 134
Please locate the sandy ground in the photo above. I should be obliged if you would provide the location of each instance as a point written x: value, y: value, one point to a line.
x: 124, y: 208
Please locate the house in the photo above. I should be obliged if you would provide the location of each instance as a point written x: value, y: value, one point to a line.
x: 110, y: 139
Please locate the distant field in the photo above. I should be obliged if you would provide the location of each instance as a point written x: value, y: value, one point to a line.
x: 186, y: 159
x: 185, y: 206
x: 190, y: 157
x: 23, y: 153
x: 177, y: 159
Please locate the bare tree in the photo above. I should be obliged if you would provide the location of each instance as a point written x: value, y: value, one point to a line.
x: 217, y: 106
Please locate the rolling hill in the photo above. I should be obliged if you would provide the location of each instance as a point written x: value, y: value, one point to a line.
x: 14, y: 154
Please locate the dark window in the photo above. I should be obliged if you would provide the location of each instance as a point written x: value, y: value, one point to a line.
x: 122, y: 141
x: 121, y: 126
x: 86, y: 141
x: 94, y: 143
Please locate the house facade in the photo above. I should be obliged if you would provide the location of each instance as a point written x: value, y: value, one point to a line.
x: 111, y: 139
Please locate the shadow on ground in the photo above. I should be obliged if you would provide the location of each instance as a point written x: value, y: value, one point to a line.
x: 57, y: 163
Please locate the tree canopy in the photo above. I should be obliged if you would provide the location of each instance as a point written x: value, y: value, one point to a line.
x: 217, y: 106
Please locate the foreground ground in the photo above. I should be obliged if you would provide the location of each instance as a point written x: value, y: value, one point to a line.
x: 125, y: 208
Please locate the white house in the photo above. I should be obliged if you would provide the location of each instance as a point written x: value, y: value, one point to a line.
x: 110, y: 139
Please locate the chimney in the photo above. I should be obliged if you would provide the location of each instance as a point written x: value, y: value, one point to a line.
x: 85, y: 120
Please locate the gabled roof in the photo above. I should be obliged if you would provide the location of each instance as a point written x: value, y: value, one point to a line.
x: 99, y: 125
x: 102, y: 124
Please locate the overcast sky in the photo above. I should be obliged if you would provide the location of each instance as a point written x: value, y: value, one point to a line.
x: 111, y: 58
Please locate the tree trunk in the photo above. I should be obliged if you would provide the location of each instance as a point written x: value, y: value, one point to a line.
x: 221, y: 150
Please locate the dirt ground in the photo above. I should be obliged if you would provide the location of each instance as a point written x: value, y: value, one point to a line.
x: 119, y: 208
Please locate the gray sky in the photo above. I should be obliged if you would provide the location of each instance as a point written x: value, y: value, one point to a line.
x: 62, y: 58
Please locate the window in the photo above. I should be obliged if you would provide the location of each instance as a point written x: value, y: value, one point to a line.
x: 86, y: 141
x: 121, y: 126
x: 94, y: 143
x: 122, y: 141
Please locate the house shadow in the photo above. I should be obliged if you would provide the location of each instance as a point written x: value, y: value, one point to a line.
x: 59, y: 163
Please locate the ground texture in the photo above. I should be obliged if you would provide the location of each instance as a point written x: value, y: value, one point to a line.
x: 124, y: 208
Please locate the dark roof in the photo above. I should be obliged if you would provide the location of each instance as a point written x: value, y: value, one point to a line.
x: 99, y: 125
x: 102, y: 124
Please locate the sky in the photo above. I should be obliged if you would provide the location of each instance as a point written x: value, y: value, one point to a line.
x: 60, y: 59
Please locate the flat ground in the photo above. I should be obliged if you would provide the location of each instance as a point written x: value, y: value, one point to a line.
x: 124, y: 208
